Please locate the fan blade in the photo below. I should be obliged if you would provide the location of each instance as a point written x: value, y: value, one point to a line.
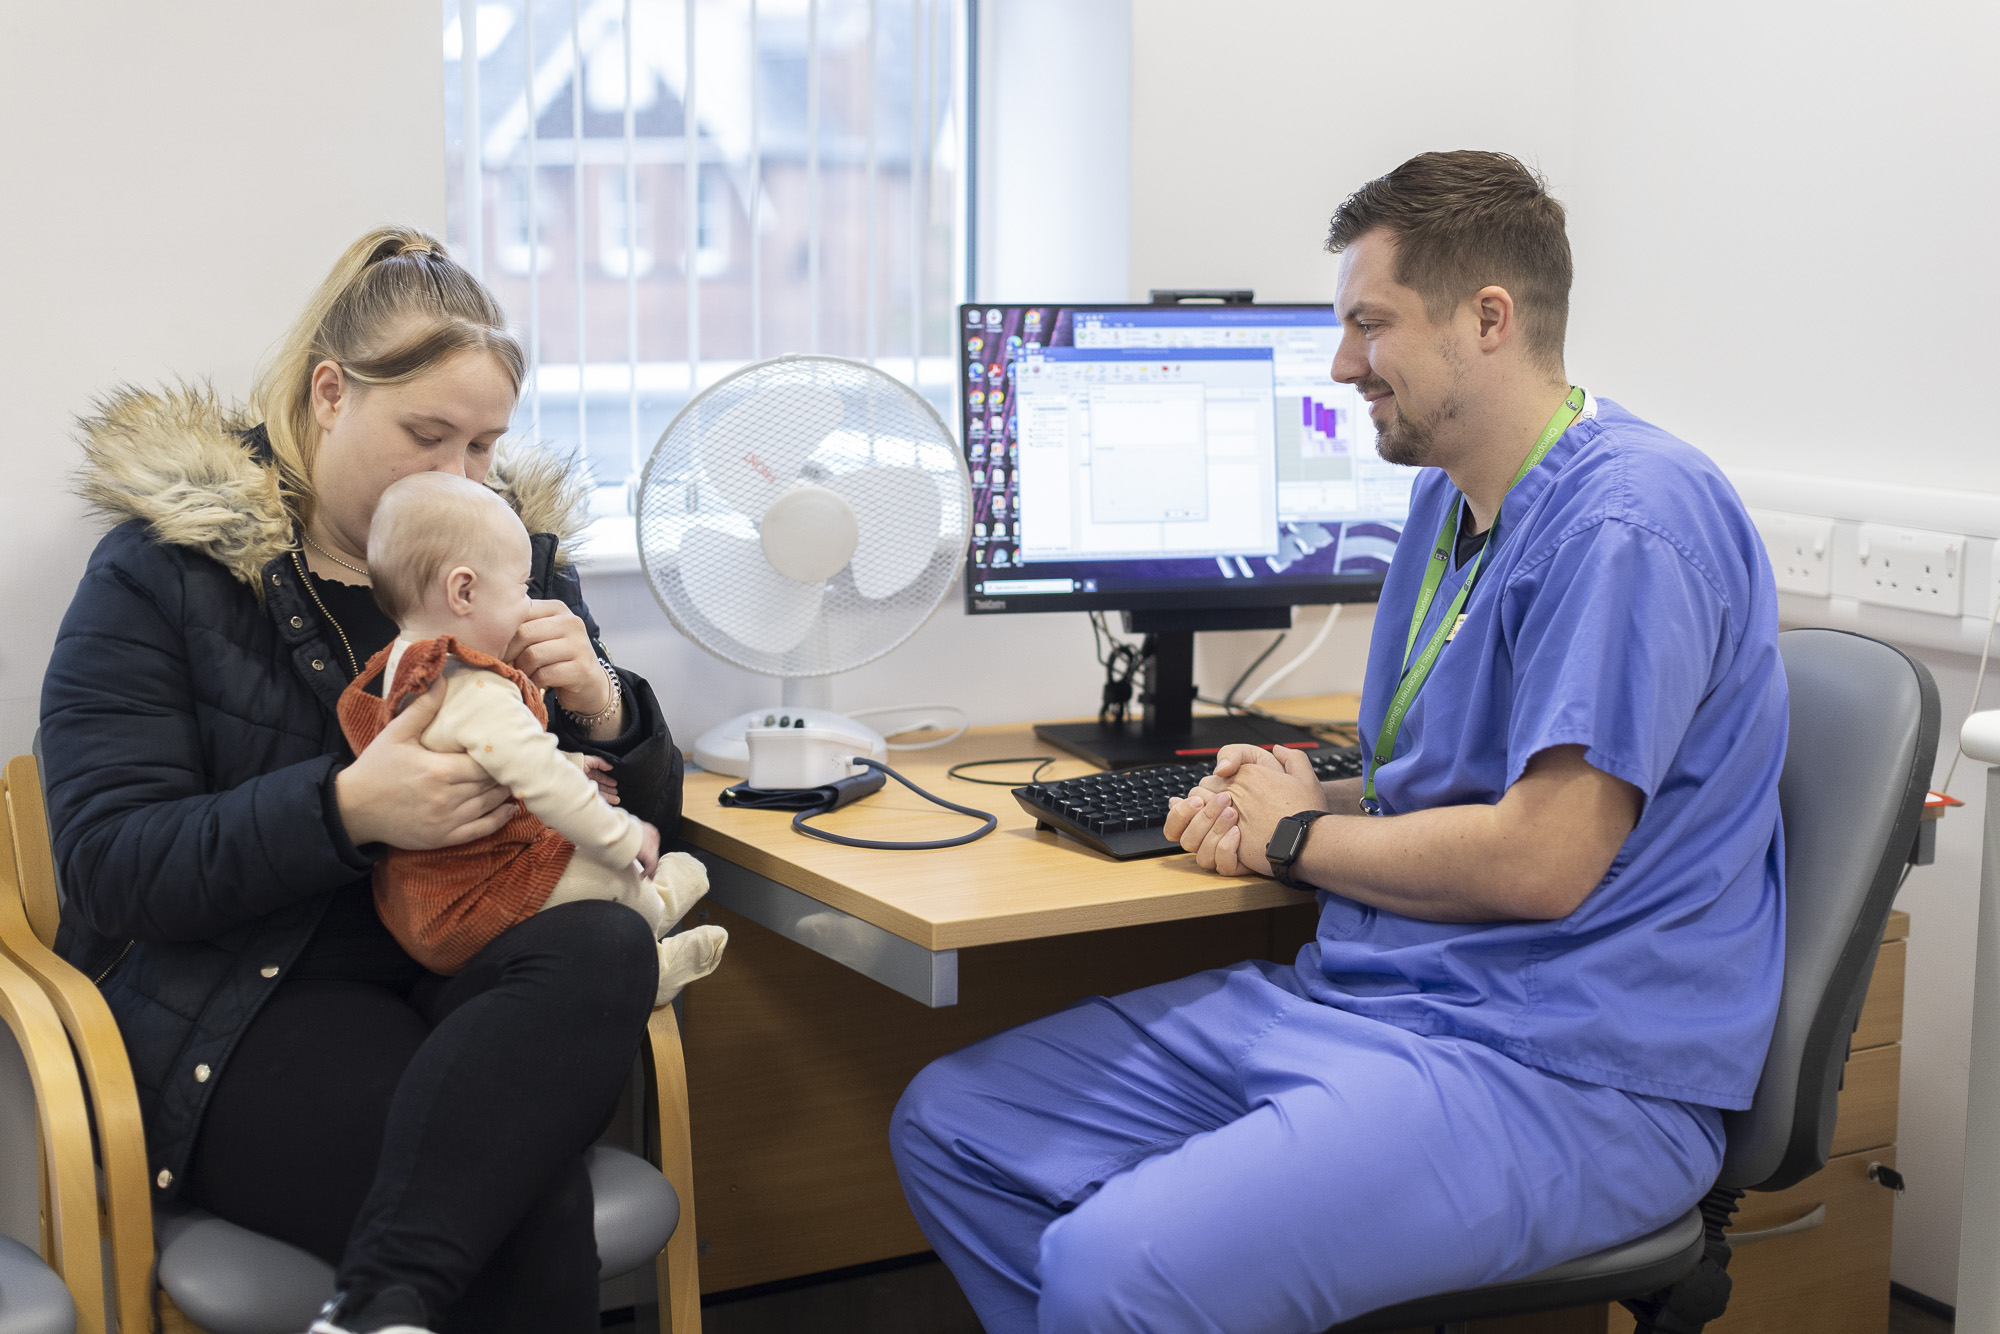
x: 752, y: 452
x: 731, y: 584
x: 899, y: 513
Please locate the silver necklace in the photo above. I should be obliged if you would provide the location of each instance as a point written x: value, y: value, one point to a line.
x: 335, y: 559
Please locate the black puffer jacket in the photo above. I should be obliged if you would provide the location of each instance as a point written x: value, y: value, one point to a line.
x: 190, y: 744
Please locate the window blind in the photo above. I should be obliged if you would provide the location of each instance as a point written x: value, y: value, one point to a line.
x: 662, y: 191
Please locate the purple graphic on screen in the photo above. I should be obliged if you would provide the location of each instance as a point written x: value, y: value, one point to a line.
x: 1323, y: 429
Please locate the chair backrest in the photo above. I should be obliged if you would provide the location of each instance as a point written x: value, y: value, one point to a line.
x: 1864, y: 733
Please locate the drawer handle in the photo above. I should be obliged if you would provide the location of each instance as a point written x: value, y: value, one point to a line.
x: 1805, y: 1222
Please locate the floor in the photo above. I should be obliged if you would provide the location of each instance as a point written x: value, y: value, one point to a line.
x: 918, y: 1296
x: 913, y: 1296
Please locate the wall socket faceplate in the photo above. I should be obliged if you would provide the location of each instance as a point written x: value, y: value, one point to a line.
x: 1801, y: 551
x: 1910, y: 567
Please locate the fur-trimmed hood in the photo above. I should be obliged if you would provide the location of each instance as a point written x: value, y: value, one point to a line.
x: 180, y: 459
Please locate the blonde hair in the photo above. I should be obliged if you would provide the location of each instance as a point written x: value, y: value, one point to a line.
x: 395, y: 306
x: 425, y: 524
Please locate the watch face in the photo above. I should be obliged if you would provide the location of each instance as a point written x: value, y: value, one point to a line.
x: 1285, y: 840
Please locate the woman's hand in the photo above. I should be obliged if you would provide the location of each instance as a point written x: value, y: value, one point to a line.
x: 399, y: 793
x: 649, y: 850
x: 599, y: 770
x: 553, y: 649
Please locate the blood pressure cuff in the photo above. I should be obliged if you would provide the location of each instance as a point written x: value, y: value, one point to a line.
x: 827, y: 797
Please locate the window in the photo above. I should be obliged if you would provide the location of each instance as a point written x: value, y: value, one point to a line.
x: 661, y: 191
x: 619, y: 250
x: 523, y: 229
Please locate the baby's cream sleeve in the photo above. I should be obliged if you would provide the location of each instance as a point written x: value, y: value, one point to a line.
x: 484, y: 717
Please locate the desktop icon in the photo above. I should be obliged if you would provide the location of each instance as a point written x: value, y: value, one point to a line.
x: 1032, y: 320
x: 1013, y: 342
x: 975, y: 345
x: 993, y: 318
x: 998, y: 398
x: 975, y: 400
x: 979, y: 530
x: 971, y: 318
x: 1000, y: 556
x: 996, y: 370
x: 975, y: 371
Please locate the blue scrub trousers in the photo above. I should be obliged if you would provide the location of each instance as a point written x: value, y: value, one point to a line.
x: 1223, y: 1153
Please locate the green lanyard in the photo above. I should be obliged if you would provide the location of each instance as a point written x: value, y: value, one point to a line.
x: 1416, y: 673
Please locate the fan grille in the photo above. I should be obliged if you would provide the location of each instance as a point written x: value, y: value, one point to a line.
x: 821, y: 421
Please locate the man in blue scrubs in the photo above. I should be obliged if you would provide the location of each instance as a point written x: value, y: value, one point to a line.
x: 1551, y: 924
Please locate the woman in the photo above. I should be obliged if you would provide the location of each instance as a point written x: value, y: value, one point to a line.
x: 299, y: 1074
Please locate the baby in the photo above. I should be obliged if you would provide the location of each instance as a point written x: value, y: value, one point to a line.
x: 450, y: 563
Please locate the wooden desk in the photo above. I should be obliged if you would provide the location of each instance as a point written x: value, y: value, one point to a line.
x: 800, y: 1044
x: 901, y: 917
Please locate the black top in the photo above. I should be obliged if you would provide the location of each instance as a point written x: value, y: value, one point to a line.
x: 351, y: 944
x: 1468, y: 543
x: 354, y: 612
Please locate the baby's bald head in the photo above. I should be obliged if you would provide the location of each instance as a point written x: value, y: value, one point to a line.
x: 428, y: 524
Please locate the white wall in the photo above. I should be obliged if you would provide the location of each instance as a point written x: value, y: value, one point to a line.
x: 178, y: 179
x: 1781, y: 214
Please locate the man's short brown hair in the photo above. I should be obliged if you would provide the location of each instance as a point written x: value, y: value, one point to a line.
x: 1466, y: 220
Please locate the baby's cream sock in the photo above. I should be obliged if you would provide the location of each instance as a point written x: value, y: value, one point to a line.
x: 684, y: 958
x: 681, y: 881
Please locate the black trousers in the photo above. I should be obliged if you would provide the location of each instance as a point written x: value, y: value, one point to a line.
x: 432, y: 1133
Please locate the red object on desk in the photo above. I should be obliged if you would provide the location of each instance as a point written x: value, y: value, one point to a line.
x: 1939, y: 801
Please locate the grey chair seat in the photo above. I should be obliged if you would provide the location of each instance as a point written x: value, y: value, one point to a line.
x: 33, y: 1299
x: 1640, y: 1265
x: 230, y: 1280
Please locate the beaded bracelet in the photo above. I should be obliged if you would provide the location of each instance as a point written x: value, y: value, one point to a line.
x: 589, y: 720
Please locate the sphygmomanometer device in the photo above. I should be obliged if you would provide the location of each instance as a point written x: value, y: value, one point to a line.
x: 813, y: 770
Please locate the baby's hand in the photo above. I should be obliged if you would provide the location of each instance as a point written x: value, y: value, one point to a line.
x: 600, y: 772
x: 649, y: 850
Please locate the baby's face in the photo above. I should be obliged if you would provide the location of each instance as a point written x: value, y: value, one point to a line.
x: 499, y: 598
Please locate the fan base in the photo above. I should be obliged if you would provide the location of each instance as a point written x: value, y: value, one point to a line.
x: 722, y: 749
x: 1131, y: 745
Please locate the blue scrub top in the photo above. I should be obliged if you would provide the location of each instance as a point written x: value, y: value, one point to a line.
x: 1628, y: 608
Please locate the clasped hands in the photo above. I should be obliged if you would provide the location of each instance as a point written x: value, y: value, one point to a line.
x: 1228, y: 818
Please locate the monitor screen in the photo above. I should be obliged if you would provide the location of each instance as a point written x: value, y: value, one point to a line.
x: 1143, y: 457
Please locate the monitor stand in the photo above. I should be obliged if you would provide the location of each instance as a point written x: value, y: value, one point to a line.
x: 1170, y: 733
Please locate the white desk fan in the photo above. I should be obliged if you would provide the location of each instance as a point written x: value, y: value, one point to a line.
x: 799, y: 518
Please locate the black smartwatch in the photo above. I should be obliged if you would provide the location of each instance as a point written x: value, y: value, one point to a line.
x: 1288, y: 841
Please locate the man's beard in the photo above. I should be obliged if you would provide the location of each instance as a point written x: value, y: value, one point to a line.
x: 1409, y: 441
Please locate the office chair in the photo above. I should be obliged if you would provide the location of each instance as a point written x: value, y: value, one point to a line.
x: 48, y: 1196
x: 214, y: 1277
x: 1864, y: 730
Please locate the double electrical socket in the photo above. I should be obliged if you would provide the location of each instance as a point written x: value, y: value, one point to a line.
x: 1910, y: 568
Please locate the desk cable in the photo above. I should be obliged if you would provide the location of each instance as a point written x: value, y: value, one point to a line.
x: 811, y: 801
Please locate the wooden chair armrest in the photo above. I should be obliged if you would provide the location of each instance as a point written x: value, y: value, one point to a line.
x: 679, y: 1267
x: 100, y: 1048
x: 71, y: 1226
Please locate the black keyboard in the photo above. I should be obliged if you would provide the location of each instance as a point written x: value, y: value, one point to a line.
x: 1120, y: 812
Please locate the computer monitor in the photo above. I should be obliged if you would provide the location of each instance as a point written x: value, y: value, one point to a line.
x: 1192, y: 466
